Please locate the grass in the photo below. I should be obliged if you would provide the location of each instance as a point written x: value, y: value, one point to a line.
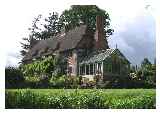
x: 81, y: 98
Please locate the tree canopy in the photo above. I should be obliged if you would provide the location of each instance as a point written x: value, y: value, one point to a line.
x: 85, y: 14
x: 145, y: 62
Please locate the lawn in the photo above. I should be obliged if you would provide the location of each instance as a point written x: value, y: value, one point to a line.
x: 81, y: 98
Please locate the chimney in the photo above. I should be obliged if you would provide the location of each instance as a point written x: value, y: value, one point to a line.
x: 100, y: 41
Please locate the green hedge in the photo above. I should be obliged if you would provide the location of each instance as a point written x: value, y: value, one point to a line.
x: 80, y: 98
x: 14, y: 78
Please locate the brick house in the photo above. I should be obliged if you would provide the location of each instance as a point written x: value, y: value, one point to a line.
x: 86, y: 52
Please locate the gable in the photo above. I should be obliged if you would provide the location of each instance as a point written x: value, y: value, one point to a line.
x: 118, y: 54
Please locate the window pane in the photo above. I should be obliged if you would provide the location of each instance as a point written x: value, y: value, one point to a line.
x: 91, y: 69
x: 87, y: 69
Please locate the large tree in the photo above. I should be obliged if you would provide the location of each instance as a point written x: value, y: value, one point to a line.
x: 41, y: 30
x: 85, y: 14
x: 52, y: 26
x: 145, y: 63
x: 35, y: 33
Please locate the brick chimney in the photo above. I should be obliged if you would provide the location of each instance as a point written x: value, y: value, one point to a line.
x: 100, y: 41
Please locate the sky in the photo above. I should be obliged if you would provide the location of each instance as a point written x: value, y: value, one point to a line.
x: 132, y: 20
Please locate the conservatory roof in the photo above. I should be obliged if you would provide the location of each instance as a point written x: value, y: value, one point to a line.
x: 97, y: 56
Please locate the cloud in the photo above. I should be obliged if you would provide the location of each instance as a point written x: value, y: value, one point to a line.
x: 13, y: 58
x: 136, y: 38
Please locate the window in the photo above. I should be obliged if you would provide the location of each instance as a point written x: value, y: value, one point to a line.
x: 91, y: 69
x: 87, y: 69
x: 94, y: 68
x: 99, y: 68
x: 82, y: 71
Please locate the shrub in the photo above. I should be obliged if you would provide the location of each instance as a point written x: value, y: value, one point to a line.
x: 64, y: 81
x: 72, y: 81
x: 143, y: 77
x: 32, y: 81
x: 57, y: 82
x: 14, y: 78
x: 44, y: 81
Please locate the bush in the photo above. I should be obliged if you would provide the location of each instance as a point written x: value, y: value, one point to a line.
x: 32, y: 82
x: 72, y: 82
x: 44, y: 81
x: 92, y: 99
x: 64, y: 81
x: 57, y: 82
x: 143, y: 77
x: 14, y: 78
x: 41, y: 81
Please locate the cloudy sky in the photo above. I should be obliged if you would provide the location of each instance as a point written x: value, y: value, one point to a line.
x: 132, y: 20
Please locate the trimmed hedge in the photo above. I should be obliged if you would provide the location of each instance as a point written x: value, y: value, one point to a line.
x: 81, y: 98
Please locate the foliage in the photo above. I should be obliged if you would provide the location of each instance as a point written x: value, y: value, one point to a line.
x: 145, y: 76
x: 145, y: 62
x: 64, y: 81
x: 72, y: 82
x: 40, y: 67
x: 52, y: 26
x: 32, y: 78
x: 13, y: 78
x: 148, y: 74
x: 39, y: 72
x: 32, y: 82
x: 42, y: 81
x: 80, y: 98
x: 35, y: 33
x: 57, y: 81
x: 85, y: 14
